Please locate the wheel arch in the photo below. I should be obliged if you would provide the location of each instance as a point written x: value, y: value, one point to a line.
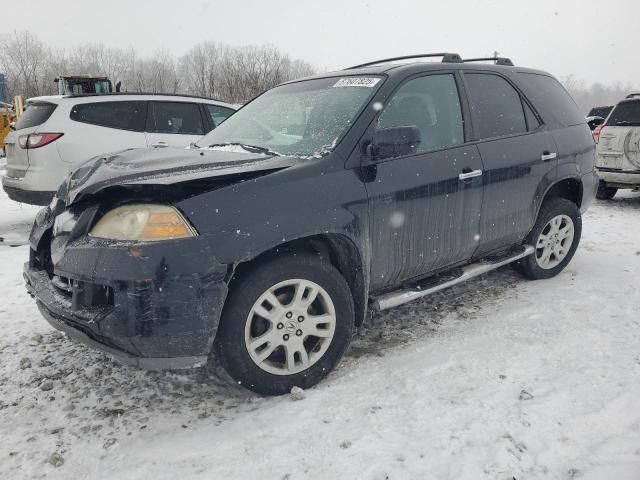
x: 342, y: 253
x: 570, y: 188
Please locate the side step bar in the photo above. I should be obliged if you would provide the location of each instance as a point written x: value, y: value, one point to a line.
x: 405, y: 295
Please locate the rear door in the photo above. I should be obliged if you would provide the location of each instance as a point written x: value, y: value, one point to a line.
x: 519, y: 157
x: 35, y: 115
x: 424, y: 216
x: 102, y: 127
x: 174, y: 124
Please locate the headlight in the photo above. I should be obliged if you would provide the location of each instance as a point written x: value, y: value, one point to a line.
x: 144, y: 223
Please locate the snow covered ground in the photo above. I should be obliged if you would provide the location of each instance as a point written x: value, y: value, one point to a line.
x: 500, y: 378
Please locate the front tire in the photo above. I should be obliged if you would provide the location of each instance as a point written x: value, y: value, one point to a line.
x: 285, y: 323
x: 555, y: 237
x: 604, y: 192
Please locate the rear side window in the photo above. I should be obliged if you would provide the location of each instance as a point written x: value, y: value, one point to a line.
x: 175, y: 117
x: 35, y: 114
x: 551, y: 99
x: 625, y: 114
x: 218, y: 114
x: 496, y: 106
x: 121, y: 115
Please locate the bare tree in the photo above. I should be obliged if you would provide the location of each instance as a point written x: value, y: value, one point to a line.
x: 234, y: 74
x: 597, y: 94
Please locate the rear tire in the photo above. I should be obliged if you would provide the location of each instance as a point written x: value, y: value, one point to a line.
x: 604, y: 192
x: 286, y: 322
x: 555, y: 237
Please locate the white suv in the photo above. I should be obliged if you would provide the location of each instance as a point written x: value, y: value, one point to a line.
x: 55, y: 134
x: 618, y: 150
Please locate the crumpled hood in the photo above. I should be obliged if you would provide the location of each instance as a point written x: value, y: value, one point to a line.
x: 163, y: 166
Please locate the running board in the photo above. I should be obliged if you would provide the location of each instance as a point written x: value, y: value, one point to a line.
x: 428, y: 286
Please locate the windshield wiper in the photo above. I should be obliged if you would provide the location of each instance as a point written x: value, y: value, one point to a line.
x: 248, y: 148
x: 627, y: 122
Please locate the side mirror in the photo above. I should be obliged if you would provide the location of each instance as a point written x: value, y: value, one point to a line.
x: 394, y: 142
x: 118, y: 85
x: 595, y: 121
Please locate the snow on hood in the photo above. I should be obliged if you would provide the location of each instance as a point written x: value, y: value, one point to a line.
x: 165, y: 166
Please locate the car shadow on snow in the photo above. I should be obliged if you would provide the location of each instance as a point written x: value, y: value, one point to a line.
x: 623, y: 200
x: 14, y: 234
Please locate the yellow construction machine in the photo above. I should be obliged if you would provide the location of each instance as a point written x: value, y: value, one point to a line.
x: 8, y: 115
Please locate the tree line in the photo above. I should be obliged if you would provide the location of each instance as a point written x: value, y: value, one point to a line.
x: 210, y: 69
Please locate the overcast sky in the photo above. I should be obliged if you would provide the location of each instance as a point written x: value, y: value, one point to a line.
x: 595, y: 40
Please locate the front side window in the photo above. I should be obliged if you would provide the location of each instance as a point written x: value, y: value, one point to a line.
x: 128, y: 115
x: 430, y: 104
x: 495, y: 105
x: 218, y: 114
x: 304, y: 119
x: 175, y: 117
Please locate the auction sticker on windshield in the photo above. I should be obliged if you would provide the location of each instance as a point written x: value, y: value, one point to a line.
x: 357, y: 82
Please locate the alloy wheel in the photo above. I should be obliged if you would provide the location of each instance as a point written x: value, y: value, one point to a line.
x: 290, y: 327
x: 554, y: 242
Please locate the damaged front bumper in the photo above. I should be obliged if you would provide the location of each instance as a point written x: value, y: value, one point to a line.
x: 154, y: 305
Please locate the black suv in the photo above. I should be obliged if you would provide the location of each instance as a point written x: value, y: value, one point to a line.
x: 267, y: 241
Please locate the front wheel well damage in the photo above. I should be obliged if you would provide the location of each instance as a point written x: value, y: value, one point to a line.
x: 337, y: 248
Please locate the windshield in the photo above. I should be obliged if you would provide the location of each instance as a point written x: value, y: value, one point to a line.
x: 304, y: 119
x: 626, y: 113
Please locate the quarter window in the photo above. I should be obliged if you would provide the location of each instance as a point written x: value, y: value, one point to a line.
x: 432, y: 105
x: 496, y: 106
x: 532, y: 121
x: 175, y: 117
x: 120, y: 115
x: 218, y: 114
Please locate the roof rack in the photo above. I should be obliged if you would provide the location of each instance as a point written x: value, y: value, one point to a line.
x: 496, y: 60
x: 446, y: 58
x: 631, y: 95
x: 114, y: 94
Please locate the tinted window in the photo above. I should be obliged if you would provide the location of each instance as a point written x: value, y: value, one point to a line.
x: 35, y: 114
x: 120, y: 115
x: 626, y: 113
x: 550, y: 99
x: 218, y: 114
x: 432, y: 105
x: 599, y: 112
x: 175, y: 117
x: 532, y: 121
x: 496, y: 106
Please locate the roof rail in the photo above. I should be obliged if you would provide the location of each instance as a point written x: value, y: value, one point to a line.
x: 446, y: 58
x: 496, y: 60
x: 631, y: 95
x: 123, y: 94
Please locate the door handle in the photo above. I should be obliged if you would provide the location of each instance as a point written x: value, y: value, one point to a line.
x: 467, y: 174
x: 546, y: 156
x: 160, y: 144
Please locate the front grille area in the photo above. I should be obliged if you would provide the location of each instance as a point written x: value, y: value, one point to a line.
x: 83, y: 294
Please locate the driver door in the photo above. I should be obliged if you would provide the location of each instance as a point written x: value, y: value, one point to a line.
x: 423, y: 214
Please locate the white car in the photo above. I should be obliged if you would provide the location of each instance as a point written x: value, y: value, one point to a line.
x: 57, y: 133
x: 618, y: 150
